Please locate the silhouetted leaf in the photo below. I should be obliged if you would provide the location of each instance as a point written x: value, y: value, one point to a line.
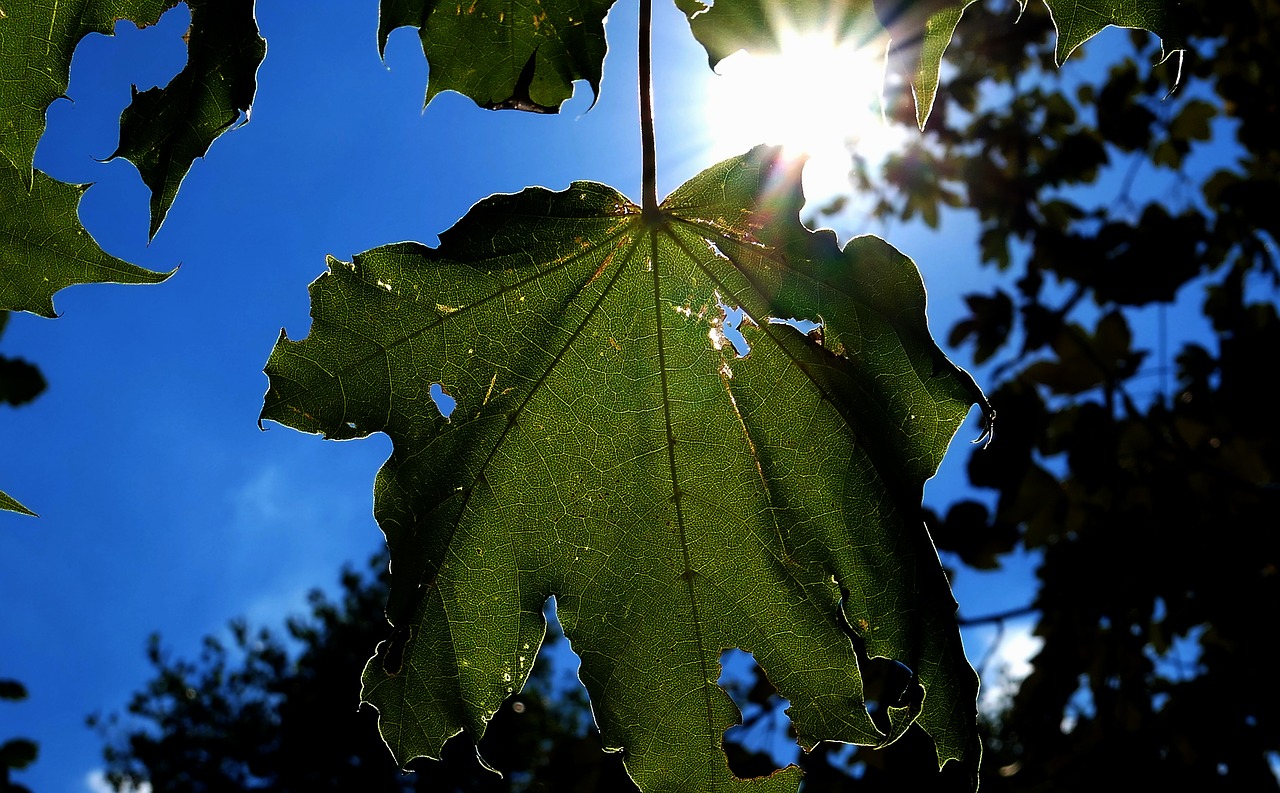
x: 615, y: 445
x: 20, y: 382
x: 18, y: 753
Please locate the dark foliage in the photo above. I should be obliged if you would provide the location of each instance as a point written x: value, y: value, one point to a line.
x: 20, y: 382
x: 261, y: 716
x: 1146, y: 479
x: 15, y: 753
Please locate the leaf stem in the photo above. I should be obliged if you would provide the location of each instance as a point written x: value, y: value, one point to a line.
x: 649, y: 175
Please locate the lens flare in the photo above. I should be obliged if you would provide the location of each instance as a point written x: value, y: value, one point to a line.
x: 817, y: 97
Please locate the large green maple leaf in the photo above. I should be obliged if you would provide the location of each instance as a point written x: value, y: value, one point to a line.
x: 610, y: 447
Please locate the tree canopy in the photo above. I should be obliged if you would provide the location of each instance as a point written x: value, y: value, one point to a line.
x: 1140, y: 465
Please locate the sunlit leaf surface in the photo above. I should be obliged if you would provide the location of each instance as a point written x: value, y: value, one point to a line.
x: 11, y: 504
x: 1077, y: 21
x: 163, y: 130
x: 636, y: 426
x: 505, y: 55
x: 37, y: 38
x: 43, y: 247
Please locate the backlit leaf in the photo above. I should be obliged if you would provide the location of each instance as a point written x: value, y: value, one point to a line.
x: 43, y: 247
x: 638, y: 428
x: 37, y: 38
x: 165, y: 129
x: 1077, y: 21
x: 505, y: 55
x: 11, y: 504
x: 918, y: 33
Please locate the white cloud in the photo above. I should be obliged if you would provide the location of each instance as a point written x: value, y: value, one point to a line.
x: 1008, y: 663
x: 258, y: 500
x: 96, y: 782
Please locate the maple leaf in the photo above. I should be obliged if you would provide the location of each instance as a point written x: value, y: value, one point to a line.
x: 643, y: 428
x: 1077, y: 21
x: 11, y: 504
x: 528, y: 57
x: 43, y: 247
x: 163, y: 130
x: 505, y: 55
x: 36, y: 42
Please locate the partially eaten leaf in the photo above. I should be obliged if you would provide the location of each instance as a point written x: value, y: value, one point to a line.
x: 43, y: 247
x: 504, y: 55
x: 677, y: 499
x: 164, y: 130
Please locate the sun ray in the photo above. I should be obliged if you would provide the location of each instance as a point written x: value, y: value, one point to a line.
x: 818, y: 97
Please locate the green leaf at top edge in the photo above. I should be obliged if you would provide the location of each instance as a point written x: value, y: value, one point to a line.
x: 43, y: 247
x: 164, y: 130
x: 938, y: 28
x: 1077, y: 21
x: 918, y: 32
x: 37, y: 39
x: 11, y: 504
x: 609, y: 446
x: 505, y: 55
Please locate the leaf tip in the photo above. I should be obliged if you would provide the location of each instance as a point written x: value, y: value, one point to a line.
x: 11, y: 504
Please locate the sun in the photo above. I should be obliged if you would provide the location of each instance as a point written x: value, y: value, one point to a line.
x: 817, y: 97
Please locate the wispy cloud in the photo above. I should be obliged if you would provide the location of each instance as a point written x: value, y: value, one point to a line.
x: 96, y: 782
x: 1008, y: 663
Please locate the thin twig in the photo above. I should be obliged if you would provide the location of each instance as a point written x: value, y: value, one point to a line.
x: 998, y: 617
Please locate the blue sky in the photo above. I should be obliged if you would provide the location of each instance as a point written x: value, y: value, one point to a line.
x: 163, y: 507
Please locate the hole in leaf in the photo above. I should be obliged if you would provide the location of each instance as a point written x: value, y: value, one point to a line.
x: 765, y: 741
x: 886, y: 683
x: 728, y: 328
x: 806, y: 326
x: 444, y: 403
x: 551, y: 709
x: 1079, y: 706
x: 845, y: 758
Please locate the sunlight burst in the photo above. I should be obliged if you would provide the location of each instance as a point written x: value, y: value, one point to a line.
x: 817, y: 97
